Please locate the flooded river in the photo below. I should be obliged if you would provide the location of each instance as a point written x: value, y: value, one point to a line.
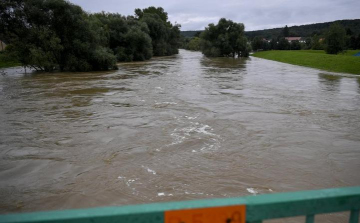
x: 174, y: 128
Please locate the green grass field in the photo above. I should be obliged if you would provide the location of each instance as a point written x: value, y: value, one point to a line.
x: 5, y: 62
x: 344, y: 63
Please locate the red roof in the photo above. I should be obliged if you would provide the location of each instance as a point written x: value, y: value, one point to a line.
x: 292, y: 38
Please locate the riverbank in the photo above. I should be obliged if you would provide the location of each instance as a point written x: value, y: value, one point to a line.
x: 343, y: 63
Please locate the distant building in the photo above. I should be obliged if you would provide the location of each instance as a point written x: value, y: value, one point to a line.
x: 300, y: 39
x: 2, y: 45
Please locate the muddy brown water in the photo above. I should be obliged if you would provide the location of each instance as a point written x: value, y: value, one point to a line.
x: 175, y: 128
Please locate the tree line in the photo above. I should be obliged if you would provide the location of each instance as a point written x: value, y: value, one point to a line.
x: 309, y: 30
x: 50, y: 35
x: 334, y: 40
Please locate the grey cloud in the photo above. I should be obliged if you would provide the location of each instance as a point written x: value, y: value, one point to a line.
x: 255, y: 14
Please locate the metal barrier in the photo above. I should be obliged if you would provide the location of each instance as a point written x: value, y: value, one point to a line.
x: 250, y: 209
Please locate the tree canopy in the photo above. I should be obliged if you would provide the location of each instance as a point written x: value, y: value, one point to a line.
x: 335, y: 39
x: 49, y: 35
x: 52, y: 35
x: 224, y: 39
x: 165, y: 36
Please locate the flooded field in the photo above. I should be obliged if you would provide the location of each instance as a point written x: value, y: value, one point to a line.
x: 175, y: 128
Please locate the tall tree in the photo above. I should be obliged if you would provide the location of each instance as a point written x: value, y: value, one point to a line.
x: 165, y: 36
x: 127, y: 37
x: 49, y: 35
x: 286, y: 31
x: 257, y: 43
x: 335, y: 39
x: 224, y: 39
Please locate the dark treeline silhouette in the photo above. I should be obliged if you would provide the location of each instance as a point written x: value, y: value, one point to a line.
x: 306, y: 30
x: 303, y: 30
x: 52, y: 35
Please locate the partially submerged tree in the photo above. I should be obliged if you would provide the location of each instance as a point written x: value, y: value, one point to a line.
x: 127, y: 37
x: 49, y: 35
x: 165, y: 36
x: 226, y: 39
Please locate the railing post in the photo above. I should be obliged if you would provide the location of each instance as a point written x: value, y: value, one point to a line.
x: 310, y: 218
x: 354, y: 216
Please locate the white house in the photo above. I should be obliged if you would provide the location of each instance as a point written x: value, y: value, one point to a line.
x: 300, y: 39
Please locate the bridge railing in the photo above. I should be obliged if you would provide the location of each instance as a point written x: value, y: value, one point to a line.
x: 250, y: 209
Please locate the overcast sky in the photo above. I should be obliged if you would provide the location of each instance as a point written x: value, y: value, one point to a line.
x: 255, y: 14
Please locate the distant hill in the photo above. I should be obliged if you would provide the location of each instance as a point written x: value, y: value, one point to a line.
x: 303, y: 30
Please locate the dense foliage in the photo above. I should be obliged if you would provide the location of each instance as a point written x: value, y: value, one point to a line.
x: 165, y: 36
x: 127, y: 37
x: 52, y: 35
x: 226, y: 39
x: 335, y: 39
x: 49, y: 35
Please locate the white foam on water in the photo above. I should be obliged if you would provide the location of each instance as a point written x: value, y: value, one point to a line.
x: 166, y: 103
x: 194, y: 193
x: 149, y: 170
x: 161, y: 194
x: 189, y: 130
x: 190, y: 118
x: 129, y: 182
x: 252, y: 190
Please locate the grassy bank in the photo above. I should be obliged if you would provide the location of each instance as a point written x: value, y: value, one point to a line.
x: 6, y: 62
x: 344, y: 63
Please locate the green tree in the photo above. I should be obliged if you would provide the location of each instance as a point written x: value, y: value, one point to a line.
x: 165, y: 36
x: 286, y: 31
x: 316, y: 44
x: 194, y: 44
x: 283, y: 44
x: 50, y: 35
x: 127, y: 37
x: 273, y: 44
x: 335, y: 39
x: 257, y: 43
x: 295, y: 45
x: 224, y: 39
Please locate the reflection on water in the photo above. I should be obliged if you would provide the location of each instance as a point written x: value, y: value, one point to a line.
x: 174, y: 128
x: 330, y: 82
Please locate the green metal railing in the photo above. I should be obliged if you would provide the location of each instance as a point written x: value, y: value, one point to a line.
x: 257, y: 209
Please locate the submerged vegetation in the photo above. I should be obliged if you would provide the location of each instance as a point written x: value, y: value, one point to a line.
x: 345, y: 63
x: 226, y: 39
x: 58, y: 35
x: 6, y: 61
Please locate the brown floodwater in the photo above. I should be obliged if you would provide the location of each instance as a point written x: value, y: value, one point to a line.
x: 175, y: 128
